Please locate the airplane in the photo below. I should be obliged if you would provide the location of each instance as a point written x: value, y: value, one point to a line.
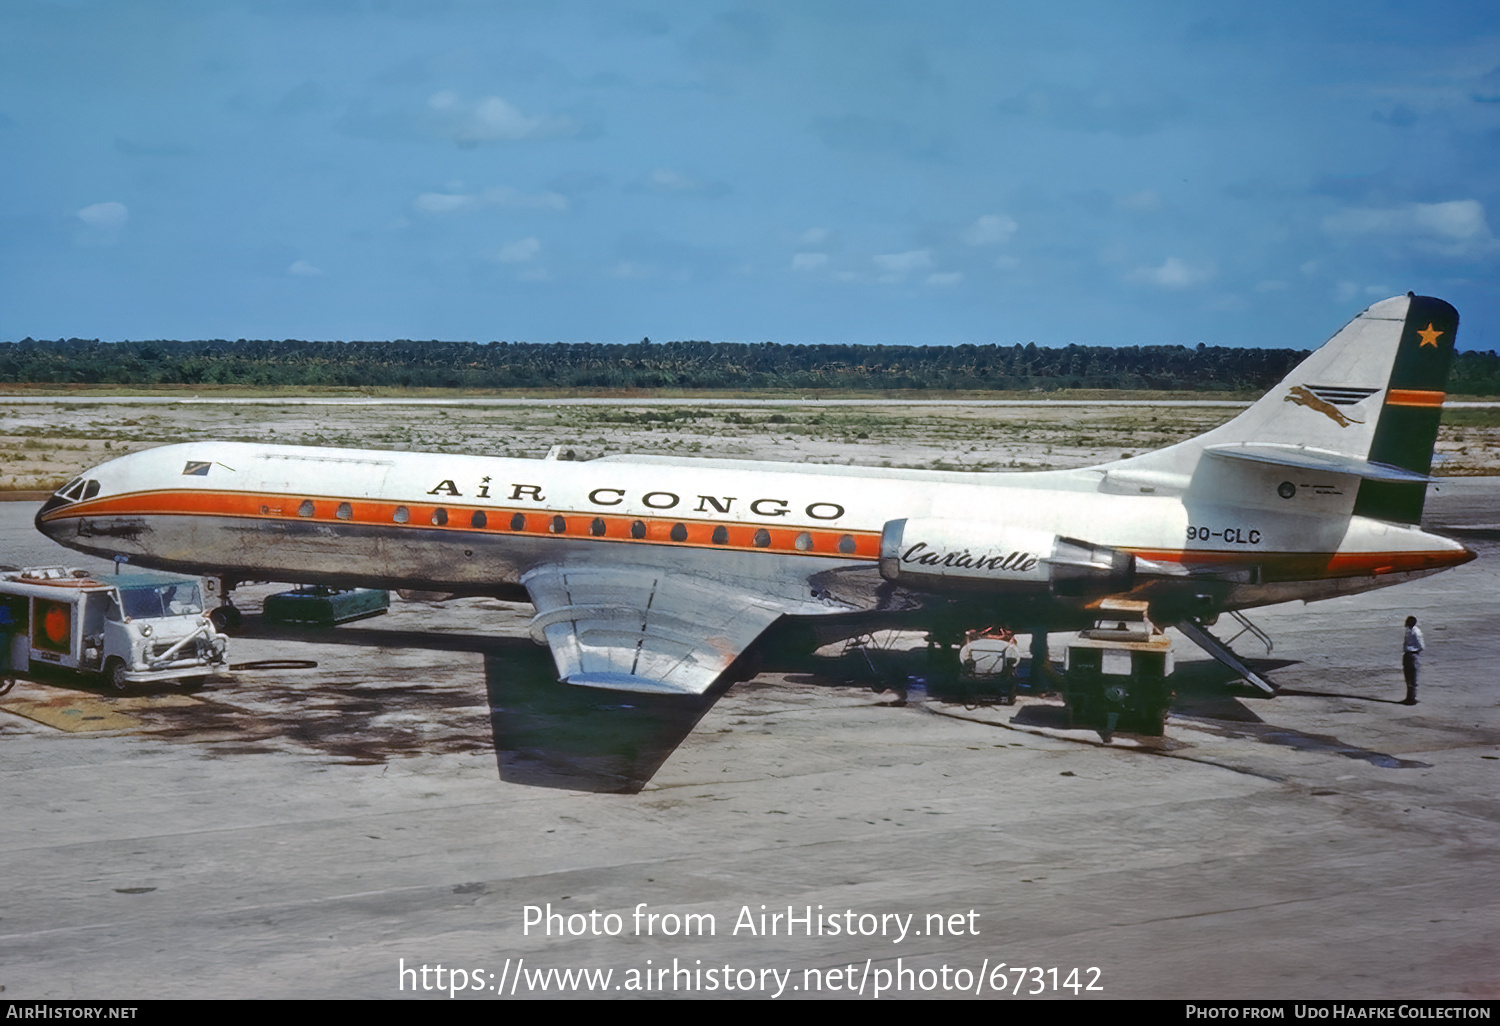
x: 669, y: 576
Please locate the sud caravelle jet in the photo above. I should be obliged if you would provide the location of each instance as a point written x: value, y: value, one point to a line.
x: 671, y: 575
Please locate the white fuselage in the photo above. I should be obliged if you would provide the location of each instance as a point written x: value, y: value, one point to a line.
x: 476, y: 524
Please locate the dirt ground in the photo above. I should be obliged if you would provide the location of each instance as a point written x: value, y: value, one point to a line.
x: 42, y: 445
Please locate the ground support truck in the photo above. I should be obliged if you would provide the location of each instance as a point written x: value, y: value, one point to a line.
x: 1118, y: 672
x: 130, y: 628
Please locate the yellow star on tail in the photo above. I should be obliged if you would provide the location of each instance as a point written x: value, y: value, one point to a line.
x: 1429, y: 337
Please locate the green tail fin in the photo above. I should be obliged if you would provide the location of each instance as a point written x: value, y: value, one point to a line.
x: 1408, y: 424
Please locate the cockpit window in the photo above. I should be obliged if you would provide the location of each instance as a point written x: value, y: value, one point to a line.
x: 91, y: 489
x: 71, y: 489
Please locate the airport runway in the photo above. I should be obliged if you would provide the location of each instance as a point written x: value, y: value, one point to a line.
x: 300, y: 833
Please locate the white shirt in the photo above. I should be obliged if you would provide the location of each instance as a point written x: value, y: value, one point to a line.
x: 1413, y: 640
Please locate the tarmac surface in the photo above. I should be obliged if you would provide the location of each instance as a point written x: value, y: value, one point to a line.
x: 311, y: 830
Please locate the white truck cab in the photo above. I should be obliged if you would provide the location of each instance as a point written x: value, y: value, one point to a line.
x: 130, y: 628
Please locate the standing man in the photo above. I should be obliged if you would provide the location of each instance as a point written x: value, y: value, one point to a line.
x: 1411, y: 648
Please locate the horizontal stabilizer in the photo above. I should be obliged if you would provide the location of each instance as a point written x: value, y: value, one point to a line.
x: 1314, y: 459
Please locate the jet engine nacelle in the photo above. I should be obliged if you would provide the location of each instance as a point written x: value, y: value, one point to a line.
x: 939, y: 554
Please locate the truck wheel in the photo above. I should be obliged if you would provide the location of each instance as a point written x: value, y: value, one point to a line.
x: 225, y: 619
x: 114, y: 672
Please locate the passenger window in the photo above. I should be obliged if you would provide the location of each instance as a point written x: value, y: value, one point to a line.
x: 721, y: 535
x: 345, y: 511
x: 559, y: 525
x: 402, y: 515
x: 803, y: 542
x: 478, y: 519
x: 518, y: 522
x: 679, y: 532
x: 597, y: 528
x: 846, y: 544
x: 439, y: 517
x: 762, y: 538
x: 306, y: 509
x: 638, y: 529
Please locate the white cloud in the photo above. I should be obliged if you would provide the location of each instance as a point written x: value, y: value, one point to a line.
x: 107, y: 217
x: 1455, y: 228
x: 896, y: 266
x: 303, y: 269
x: 815, y: 236
x: 1007, y: 263
x: 520, y: 251
x: 493, y: 119
x: 443, y: 202
x: 809, y: 261
x: 665, y: 180
x: 1174, y: 273
x: 944, y: 280
x: 1346, y: 291
x: 990, y: 230
x: 499, y: 196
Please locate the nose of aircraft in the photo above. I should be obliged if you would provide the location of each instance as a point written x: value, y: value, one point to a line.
x: 42, y: 524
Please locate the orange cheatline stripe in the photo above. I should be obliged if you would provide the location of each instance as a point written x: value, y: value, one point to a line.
x: 577, y: 525
x: 1278, y: 566
x: 1413, y: 397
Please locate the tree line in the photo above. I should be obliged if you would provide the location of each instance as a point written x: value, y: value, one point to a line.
x: 686, y: 365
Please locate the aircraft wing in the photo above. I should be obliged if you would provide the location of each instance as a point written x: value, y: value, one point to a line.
x: 642, y: 629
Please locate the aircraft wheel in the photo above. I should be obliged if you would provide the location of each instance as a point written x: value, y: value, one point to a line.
x: 114, y: 672
x: 225, y: 619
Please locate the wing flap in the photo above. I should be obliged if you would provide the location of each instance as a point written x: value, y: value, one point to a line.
x: 634, y: 629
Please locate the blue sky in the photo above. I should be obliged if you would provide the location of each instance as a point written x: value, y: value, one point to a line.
x: 881, y: 172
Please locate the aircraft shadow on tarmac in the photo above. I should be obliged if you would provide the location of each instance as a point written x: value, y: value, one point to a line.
x: 546, y: 734
x: 260, y: 629
x: 583, y: 739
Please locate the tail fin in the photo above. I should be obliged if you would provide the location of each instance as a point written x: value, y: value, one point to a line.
x: 1367, y: 404
x: 1408, y: 425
